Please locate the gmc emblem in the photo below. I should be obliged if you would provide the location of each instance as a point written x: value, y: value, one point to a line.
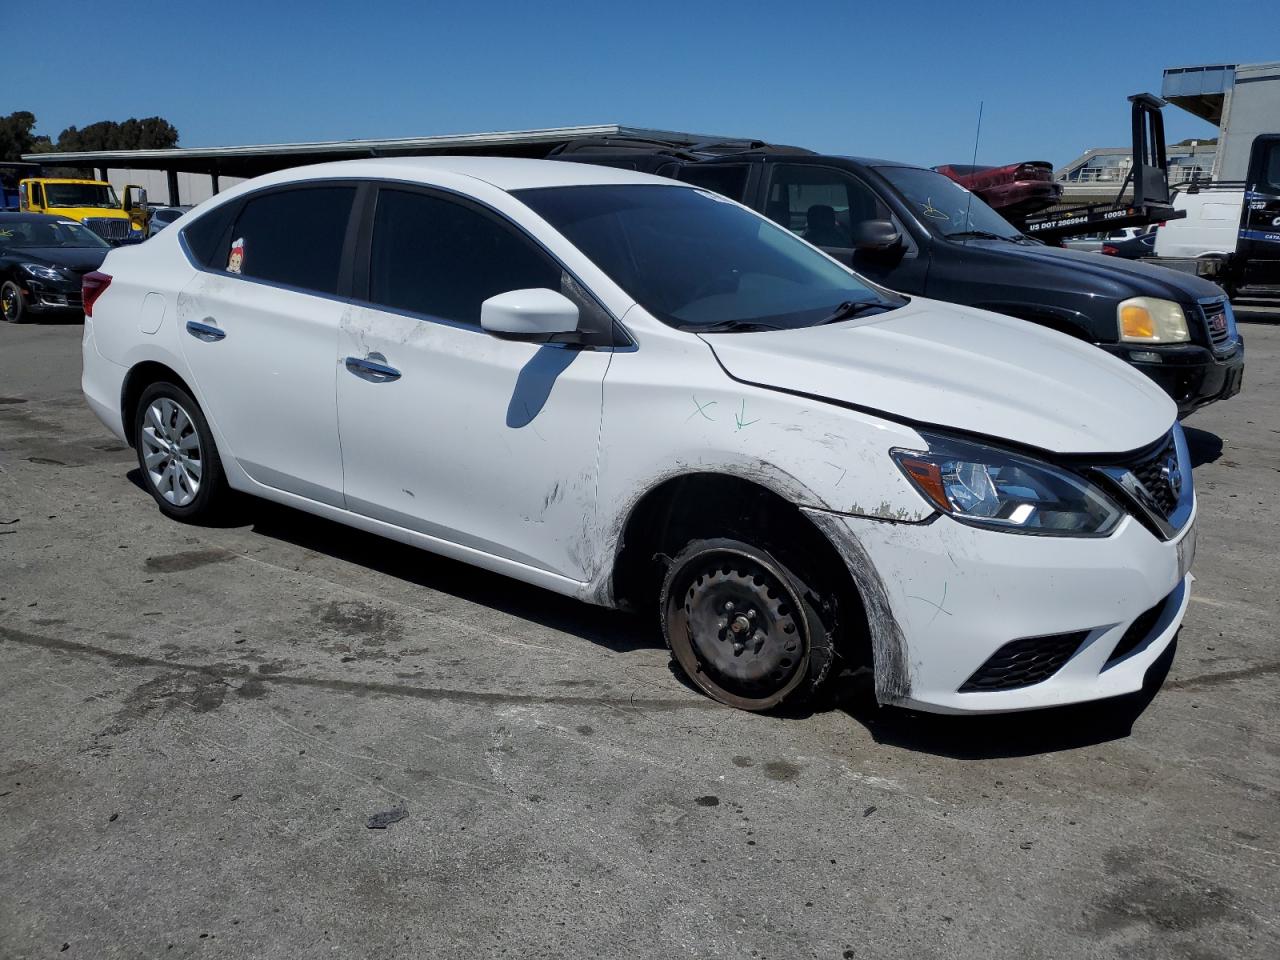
x: 1218, y: 324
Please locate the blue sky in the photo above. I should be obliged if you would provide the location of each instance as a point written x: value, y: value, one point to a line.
x: 899, y: 80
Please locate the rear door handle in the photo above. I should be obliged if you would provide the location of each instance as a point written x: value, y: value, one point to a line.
x: 372, y: 368
x: 205, y: 331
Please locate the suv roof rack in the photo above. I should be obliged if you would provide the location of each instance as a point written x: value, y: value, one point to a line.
x: 703, y: 150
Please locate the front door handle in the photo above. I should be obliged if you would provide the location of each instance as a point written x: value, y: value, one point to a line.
x: 205, y: 331
x: 372, y: 368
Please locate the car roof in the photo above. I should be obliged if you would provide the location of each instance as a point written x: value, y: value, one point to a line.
x: 505, y: 173
x: 8, y: 216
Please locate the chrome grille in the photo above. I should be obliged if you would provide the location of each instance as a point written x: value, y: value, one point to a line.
x: 1218, y: 323
x: 108, y: 228
x: 1152, y: 473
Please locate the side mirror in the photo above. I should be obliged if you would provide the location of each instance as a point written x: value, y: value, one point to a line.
x: 535, y: 315
x: 879, y: 235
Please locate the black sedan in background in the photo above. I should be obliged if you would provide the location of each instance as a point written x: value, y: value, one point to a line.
x: 42, y: 260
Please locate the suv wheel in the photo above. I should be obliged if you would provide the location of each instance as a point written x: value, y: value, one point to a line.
x: 13, y: 305
x: 179, y: 462
x: 744, y: 627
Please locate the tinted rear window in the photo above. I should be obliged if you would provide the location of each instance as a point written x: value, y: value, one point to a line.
x: 294, y: 237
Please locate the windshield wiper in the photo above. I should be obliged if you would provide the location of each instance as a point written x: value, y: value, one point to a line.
x: 979, y: 235
x: 729, y: 326
x: 848, y: 310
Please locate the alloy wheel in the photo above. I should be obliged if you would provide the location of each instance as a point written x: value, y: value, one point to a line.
x: 171, y: 451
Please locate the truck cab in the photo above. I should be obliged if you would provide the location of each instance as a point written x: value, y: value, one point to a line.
x: 918, y: 232
x: 93, y: 203
x: 1231, y: 231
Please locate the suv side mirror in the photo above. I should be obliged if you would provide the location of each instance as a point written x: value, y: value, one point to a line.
x: 535, y: 315
x: 879, y: 235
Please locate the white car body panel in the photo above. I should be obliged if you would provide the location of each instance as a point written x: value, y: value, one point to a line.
x: 987, y: 376
x: 269, y: 384
x: 1211, y: 226
x: 528, y: 460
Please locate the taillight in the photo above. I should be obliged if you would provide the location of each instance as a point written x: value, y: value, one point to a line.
x: 1109, y: 250
x: 91, y: 287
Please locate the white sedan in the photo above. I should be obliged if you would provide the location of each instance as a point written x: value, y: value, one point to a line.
x: 636, y: 392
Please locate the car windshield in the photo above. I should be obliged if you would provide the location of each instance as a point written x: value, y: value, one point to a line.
x: 18, y: 234
x: 80, y: 195
x: 695, y: 260
x: 945, y: 205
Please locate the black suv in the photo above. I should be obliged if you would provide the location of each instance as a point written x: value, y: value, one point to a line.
x: 919, y: 232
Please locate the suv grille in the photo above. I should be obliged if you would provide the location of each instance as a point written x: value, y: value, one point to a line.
x: 1217, y: 323
x: 1022, y: 663
x: 108, y: 228
x: 1151, y: 473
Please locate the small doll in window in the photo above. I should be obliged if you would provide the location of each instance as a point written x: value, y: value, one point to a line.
x: 236, y: 259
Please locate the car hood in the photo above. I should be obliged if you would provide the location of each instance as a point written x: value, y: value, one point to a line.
x: 1135, y: 278
x: 79, y: 259
x: 947, y: 366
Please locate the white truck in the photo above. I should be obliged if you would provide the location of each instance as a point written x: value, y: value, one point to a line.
x: 1231, y: 231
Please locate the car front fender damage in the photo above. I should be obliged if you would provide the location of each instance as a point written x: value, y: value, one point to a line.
x: 888, y: 646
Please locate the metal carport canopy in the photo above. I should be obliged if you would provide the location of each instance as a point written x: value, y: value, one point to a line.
x: 251, y: 161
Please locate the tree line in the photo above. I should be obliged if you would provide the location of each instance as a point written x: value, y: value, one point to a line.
x: 18, y: 136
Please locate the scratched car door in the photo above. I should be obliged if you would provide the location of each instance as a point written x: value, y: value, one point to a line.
x: 451, y: 432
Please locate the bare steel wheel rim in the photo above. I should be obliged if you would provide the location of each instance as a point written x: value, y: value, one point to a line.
x: 746, y: 632
x: 171, y: 451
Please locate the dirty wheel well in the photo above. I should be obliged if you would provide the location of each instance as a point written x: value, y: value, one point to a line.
x: 714, y: 505
x: 138, y: 379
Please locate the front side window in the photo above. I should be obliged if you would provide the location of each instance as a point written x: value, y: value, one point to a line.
x: 442, y: 259
x: 945, y: 206
x: 1269, y: 178
x: 294, y: 237
x: 695, y: 260
x: 822, y: 205
x: 81, y: 195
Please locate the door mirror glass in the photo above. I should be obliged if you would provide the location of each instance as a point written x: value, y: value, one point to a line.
x: 138, y: 198
x: 537, y: 315
x: 876, y: 235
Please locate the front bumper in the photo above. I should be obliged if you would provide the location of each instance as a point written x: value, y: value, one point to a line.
x: 44, y: 296
x: 958, y: 594
x: 1192, y: 375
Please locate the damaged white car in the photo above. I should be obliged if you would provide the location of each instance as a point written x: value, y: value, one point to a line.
x: 638, y: 393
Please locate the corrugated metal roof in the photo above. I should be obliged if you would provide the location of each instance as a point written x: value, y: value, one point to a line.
x: 205, y: 159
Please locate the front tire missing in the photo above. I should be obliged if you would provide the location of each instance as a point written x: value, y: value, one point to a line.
x: 743, y: 627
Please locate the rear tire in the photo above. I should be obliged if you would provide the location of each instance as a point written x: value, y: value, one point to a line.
x: 13, y: 305
x: 744, y: 627
x: 179, y: 462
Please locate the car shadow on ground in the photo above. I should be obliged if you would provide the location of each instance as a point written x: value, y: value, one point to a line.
x: 615, y: 630
x: 852, y: 692
x: 1203, y: 446
x: 992, y: 736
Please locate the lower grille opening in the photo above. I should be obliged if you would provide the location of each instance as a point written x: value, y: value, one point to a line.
x: 1022, y: 663
x: 1138, y: 631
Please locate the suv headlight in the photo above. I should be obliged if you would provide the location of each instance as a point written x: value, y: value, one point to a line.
x: 988, y: 487
x: 1149, y: 320
x: 41, y: 272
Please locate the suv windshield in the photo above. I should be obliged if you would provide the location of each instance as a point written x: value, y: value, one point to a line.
x: 17, y: 234
x: 695, y: 260
x: 945, y: 205
x: 80, y: 195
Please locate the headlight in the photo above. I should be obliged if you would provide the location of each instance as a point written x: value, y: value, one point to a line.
x: 988, y: 487
x: 1148, y: 320
x: 44, y: 273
